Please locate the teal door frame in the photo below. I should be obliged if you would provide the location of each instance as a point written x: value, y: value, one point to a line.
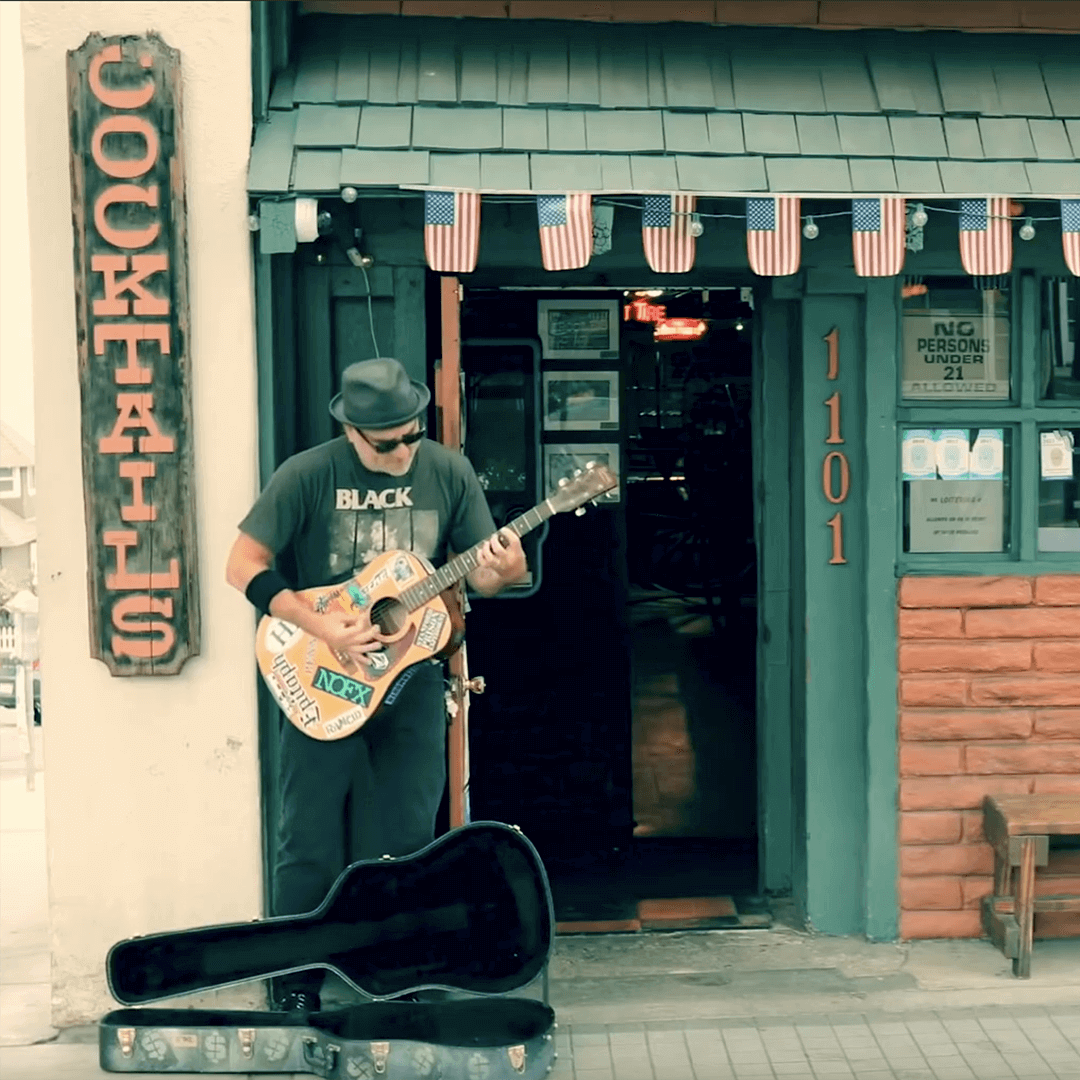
x: 843, y: 613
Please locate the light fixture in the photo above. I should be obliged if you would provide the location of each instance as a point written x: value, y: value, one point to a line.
x: 810, y: 229
x: 1027, y: 230
x: 919, y: 216
x: 739, y: 325
x: 348, y: 194
x: 696, y: 228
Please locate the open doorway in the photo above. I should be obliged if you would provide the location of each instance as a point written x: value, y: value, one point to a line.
x: 632, y: 761
x: 692, y: 600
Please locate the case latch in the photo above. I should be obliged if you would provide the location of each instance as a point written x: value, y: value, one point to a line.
x: 380, y: 1051
x: 127, y: 1041
x: 247, y: 1041
x: 517, y: 1057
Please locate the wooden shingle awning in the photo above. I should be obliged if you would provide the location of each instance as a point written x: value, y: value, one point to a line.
x: 540, y: 107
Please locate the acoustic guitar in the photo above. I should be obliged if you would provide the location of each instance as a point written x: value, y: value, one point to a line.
x: 328, y: 695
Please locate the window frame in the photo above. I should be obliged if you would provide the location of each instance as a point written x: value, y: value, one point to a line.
x: 1025, y: 413
x: 16, y: 482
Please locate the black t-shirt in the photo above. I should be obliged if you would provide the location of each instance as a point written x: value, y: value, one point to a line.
x: 336, y: 516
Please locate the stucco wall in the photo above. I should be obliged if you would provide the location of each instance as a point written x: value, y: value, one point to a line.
x: 989, y: 705
x: 152, y: 795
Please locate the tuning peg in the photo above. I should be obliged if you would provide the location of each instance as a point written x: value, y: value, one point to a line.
x: 563, y: 481
x: 579, y: 511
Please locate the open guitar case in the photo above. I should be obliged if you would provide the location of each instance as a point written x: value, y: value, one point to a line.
x: 470, y: 913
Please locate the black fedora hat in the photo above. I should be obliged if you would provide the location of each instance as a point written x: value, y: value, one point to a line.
x: 378, y: 394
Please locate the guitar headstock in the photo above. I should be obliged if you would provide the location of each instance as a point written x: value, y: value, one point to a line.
x: 582, y: 488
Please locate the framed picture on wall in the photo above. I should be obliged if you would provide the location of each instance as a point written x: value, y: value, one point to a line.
x: 581, y: 400
x: 578, y: 329
x: 564, y: 459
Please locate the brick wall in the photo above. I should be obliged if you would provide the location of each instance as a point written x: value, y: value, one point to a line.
x: 989, y: 703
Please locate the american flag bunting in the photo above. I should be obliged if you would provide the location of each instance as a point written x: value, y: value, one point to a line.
x: 451, y: 230
x: 985, y: 236
x: 665, y: 232
x: 772, y: 235
x: 1070, y: 234
x: 566, y: 232
x: 877, y: 236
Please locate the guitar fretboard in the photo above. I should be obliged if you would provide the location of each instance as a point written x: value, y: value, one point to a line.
x: 465, y: 563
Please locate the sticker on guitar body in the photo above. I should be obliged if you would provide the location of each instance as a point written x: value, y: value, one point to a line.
x: 341, y: 686
x: 346, y: 720
x: 403, y: 570
x: 290, y: 691
x: 427, y: 637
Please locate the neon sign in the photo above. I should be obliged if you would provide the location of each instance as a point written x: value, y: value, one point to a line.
x: 680, y: 329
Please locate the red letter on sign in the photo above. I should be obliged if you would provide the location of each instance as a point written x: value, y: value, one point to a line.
x: 156, y: 648
x: 132, y: 333
x: 136, y: 472
x: 124, y: 168
x: 122, y: 539
x: 135, y: 412
x: 142, y: 266
x: 118, y: 99
x: 131, y: 193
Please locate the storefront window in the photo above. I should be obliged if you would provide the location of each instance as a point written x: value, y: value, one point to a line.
x: 1059, y: 490
x: 1059, y: 358
x: 956, y: 489
x: 956, y: 341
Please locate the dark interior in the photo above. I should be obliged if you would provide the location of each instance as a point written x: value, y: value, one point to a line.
x: 494, y: 1022
x: 471, y: 912
x: 618, y: 726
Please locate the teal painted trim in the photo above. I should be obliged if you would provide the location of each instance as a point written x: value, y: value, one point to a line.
x: 1050, y: 562
x: 1026, y: 469
x: 264, y: 361
x: 772, y: 475
x: 882, y: 513
x: 835, y: 671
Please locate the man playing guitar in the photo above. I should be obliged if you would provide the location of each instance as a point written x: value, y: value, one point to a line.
x: 327, y: 512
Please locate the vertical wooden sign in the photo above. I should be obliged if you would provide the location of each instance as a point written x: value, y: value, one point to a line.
x: 131, y: 297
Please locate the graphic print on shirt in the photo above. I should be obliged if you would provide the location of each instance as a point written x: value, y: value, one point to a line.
x: 367, y: 523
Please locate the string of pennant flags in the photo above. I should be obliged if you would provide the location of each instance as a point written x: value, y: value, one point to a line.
x: 881, y: 229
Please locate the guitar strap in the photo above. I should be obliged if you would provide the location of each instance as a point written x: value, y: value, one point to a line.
x: 402, y: 679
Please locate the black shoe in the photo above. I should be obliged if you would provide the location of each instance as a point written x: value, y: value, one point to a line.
x: 300, y: 1002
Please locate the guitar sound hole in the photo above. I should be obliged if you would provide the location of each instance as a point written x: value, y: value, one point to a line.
x: 389, y: 615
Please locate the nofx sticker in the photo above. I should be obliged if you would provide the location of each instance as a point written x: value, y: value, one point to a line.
x: 427, y: 637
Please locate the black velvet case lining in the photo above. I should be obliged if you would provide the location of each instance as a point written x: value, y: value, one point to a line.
x: 471, y: 912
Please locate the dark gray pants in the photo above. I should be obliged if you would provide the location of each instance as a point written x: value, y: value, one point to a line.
x: 373, y: 793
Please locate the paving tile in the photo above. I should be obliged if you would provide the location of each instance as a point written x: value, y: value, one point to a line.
x: 792, y: 1068
x: 954, y: 1073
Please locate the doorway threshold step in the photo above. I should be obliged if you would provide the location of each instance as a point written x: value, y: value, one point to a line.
x: 680, y: 913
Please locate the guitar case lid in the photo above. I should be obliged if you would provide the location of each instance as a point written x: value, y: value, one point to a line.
x: 471, y: 911
x: 493, y: 1039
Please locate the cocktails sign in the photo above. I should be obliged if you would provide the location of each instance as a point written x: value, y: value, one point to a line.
x: 129, y: 216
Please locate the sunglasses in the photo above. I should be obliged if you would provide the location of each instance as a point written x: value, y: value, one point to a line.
x: 388, y: 446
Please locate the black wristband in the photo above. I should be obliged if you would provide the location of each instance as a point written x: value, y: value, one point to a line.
x: 263, y: 587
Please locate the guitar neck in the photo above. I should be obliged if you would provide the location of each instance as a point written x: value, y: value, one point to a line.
x: 465, y: 563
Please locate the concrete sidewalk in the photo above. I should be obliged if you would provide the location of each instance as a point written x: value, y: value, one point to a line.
x: 716, y: 1005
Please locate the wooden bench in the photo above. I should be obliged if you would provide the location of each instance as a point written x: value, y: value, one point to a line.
x: 1019, y: 828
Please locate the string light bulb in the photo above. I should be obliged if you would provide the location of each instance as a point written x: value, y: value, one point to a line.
x: 696, y: 227
x: 919, y: 217
x: 1027, y: 230
x: 810, y: 229
x: 348, y: 194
